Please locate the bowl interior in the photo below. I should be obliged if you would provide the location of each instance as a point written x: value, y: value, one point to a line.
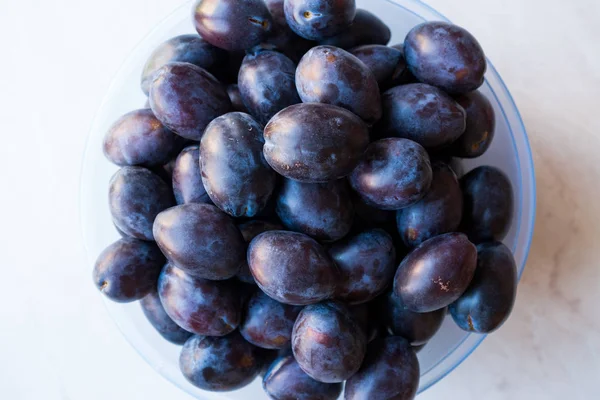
x: 510, y: 152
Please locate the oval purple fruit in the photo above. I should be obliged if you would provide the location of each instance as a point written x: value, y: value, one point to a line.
x: 186, y: 98
x: 331, y: 75
x: 436, y: 273
x: 128, y: 269
x: 201, y: 240
x: 292, y: 268
x: 327, y: 342
x: 315, y: 143
x: 198, y: 305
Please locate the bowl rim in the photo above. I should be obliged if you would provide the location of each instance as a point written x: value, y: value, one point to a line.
x: 501, y: 87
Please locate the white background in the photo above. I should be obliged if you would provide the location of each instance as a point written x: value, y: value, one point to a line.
x: 56, y: 340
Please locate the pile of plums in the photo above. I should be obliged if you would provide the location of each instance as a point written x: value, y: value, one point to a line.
x: 289, y: 202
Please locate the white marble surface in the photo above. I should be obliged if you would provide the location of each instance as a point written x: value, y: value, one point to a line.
x: 56, y: 340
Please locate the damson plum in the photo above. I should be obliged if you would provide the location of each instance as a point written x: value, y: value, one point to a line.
x: 417, y: 328
x: 250, y: 230
x: 490, y: 298
x: 321, y: 210
x: 267, y: 85
x: 220, y: 364
x: 386, y: 63
x: 234, y: 172
x: 394, y: 173
x: 436, y: 273
x: 368, y: 264
x: 327, y: 342
x: 198, y: 305
x: 185, y: 98
x: 185, y: 48
x: 421, y: 113
x: 128, y: 269
x: 446, y: 56
x: 187, y: 177
x: 366, y: 28
x: 268, y: 323
x: 138, y: 138
x: 319, y: 19
x: 488, y: 204
x: 232, y: 24
x: 440, y: 211
x: 285, y: 380
x: 481, y: 126
x: 237, y: 104
x: 136, y: 196
x: 201, y: 240
x: 292, y: 268
x: 331, y: 75
x: 160, y: 320
x: 315, y: 142
x: 390, y: 371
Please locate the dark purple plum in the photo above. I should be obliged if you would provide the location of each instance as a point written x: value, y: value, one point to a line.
x: 328, y: 343
x: 368, y: 264
x: 490, y: 298
x: 481, y: 126
x: 292, y: 268
x: 367, y: 28
x: 330, y: 75
x: 201, y: 240
x: 445, y: 55
x: 185, y: 98
x: 237, y: 104
x: 197, y: 305
x: 421, y: 113
x: 319, y: 19
x: 267, y: 85
x: 160, y: 320
x: 250, y: 230
x: 390, y: 371
x: 138, y: 138
x: 285, y: 380
x: 187, y: 177
x: 232, y: 24
x: 220, y: 364
x: 440, y: 211
x: 234, y: 172
x: 128, y: 269
x: 488, y: 204
x: 436, y: 273
x: 322, y: 210
x: 268, y: 323
x: 417, y: 328
x: 185, y: 48
x: 394, y: 174
x: 136, y: 196
x: 386, y: 63
x: 315, y: 142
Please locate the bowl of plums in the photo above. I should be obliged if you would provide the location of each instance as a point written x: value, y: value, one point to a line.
x: 307, y: 199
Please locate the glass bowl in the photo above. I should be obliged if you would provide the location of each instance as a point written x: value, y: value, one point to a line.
x: 451, y: 346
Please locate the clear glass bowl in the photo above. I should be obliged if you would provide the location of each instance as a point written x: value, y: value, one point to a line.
x: 510, y: 152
